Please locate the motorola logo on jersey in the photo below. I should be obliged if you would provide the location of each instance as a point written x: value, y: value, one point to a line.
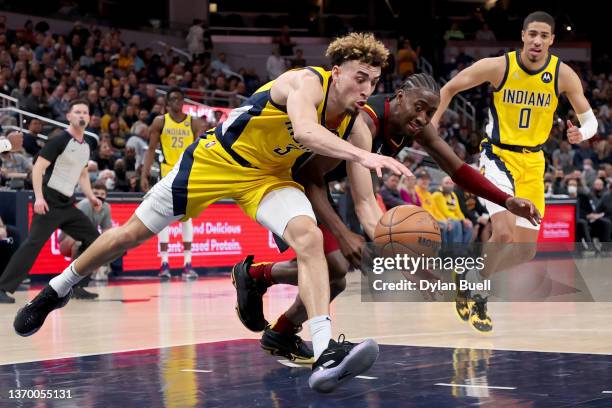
x: 546, y: 77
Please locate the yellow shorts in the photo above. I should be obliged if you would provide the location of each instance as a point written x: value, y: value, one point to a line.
x: 520, y: 174
x: 207, y: 173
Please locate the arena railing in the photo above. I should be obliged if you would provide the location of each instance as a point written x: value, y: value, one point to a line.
x: 463, y: 106
x: 21, y: 113
x: 207, y: 98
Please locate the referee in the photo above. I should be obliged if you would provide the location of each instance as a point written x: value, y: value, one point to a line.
x: 61, y: 164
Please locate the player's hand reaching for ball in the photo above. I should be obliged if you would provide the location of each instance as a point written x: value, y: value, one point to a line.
x: 573, y: 133
x: 524, y: 208
x: 379, y: 162
x: 351, y: 245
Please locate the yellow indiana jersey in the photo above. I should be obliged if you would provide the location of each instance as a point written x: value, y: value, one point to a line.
x: 259, y: 134
x: 174, y: 139
x: 524, y: 104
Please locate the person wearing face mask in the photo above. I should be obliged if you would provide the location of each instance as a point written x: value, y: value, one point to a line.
x: 100, y: 217
x: 60, y: 166
x: 588, y: 172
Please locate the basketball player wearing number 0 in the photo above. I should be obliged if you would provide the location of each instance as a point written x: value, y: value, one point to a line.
x: 526, y: 87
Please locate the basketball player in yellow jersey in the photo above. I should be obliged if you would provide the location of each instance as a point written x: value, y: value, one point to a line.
x: 174, y: 131
x: 249, y: 159
x: 526, y: 87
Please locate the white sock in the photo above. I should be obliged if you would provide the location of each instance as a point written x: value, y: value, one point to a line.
x: 63, y: 282
x: 320, y: 331
x: 164, y: 256
x: 187, y: 256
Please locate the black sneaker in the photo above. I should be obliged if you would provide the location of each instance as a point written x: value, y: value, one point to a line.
x: 249, y: 293
x: 31, y: 317
x: 290, y: 346
x: 462, y: 307
x: 479, y: 319
x: 79, y: 292
x: 340, y: 362
x: 5, y: 298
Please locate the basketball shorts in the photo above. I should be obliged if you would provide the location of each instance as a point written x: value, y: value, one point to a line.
x: 206, y: 173
x: 520, y: 174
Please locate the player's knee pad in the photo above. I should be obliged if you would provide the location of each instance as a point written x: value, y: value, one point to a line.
x: 279, y: 207
x: 187, y: 230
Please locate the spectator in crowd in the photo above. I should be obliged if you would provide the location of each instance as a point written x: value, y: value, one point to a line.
x: 107, y: 177
x: 16, y: 168
x: 284, y: 43
x: 458, y: 227
x: 299, y: 61
x: 220, y: 66
x: 31, y: 143
x: 563, y: 157
x: 139, y: 142
x: 591, y: 220
x: 408, y: 192
x: 195, y: 39
x: 485, y: 34
x: 407, y: 59
x: 275, y: 65
x: 390, y: 191
x: 36, y: 102
x: 476, y: 212
x: 454, y: 33
x: 584, y: 152
x: 425, y: 197
x: 95, y: 105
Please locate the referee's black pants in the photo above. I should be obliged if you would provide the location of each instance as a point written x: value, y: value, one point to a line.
x: 69, y: 219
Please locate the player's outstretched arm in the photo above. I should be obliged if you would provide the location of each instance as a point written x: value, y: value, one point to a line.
x: 312, y: 176
x: 485, y: 70
x: 570, y: 84
x: 471, y: 180
x: 360, y: 179
x: 304, y: 93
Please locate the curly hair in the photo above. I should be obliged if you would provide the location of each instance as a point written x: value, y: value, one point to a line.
x: 363, y: 47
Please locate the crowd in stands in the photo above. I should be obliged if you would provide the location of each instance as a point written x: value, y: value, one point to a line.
x: 44, y: 71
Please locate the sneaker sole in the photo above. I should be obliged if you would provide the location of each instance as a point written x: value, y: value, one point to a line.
x: 488, y: 332
x: 274, y: 351
x: 359, y: 360
x: 237, y: 308
x: 64, y: 303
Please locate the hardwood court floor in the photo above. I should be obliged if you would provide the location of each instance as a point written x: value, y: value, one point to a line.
x: 180, y: 344
x: 152, y: 315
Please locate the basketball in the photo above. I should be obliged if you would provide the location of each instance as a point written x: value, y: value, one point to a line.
x: 408, y: 229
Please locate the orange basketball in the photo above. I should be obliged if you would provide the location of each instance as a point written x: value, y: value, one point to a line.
x: 408, y: 229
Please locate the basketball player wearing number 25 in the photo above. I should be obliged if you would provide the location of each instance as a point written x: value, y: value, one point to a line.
x: 526, y: 87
